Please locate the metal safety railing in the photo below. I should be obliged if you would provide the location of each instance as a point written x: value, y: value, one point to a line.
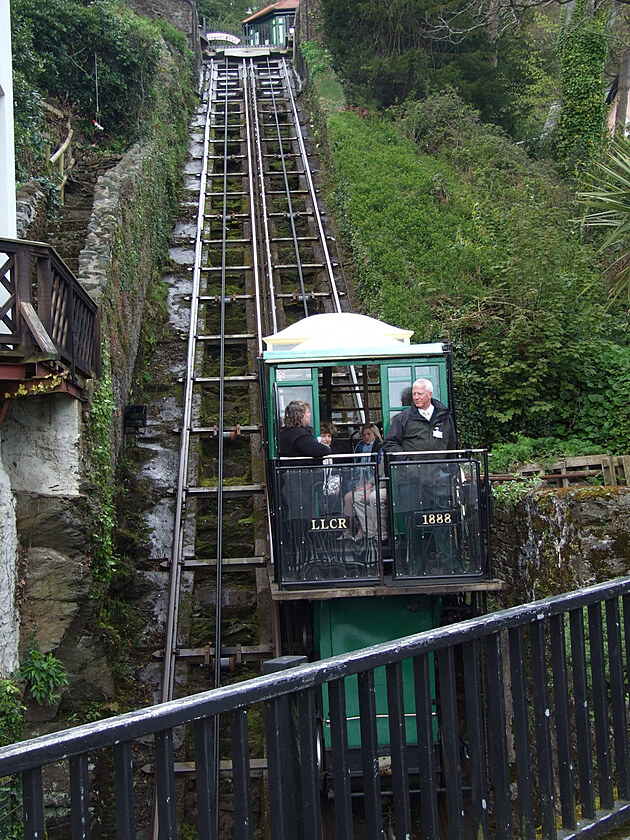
x: 522, y: 732
x: 425, y: 516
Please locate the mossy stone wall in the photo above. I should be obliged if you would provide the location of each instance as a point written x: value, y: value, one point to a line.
x: 559, y: 540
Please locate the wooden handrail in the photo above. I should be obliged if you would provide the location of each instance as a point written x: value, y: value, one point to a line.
x: 47, y: 312
x: 60, y: 157
x: 54, y: 158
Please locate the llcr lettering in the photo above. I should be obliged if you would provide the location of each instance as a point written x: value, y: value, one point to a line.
x: 333, y: 524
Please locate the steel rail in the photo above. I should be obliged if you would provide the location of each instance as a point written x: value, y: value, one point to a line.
x: 320, y: 227
x: 311, y: 187
x: 170, y: 640
x: 221, y: 427
x: 250, y: 97
x: 176, y: 554
x: 263, y: 202
x: 247, y: 94
x: 287, y: 190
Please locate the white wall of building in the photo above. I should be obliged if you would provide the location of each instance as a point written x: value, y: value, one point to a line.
x: 7, y: 150
x: 9, y: 619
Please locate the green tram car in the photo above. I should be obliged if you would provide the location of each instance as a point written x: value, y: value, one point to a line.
x: 424, y: 543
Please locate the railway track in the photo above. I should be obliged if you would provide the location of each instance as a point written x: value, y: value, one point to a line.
x: 263, y: 259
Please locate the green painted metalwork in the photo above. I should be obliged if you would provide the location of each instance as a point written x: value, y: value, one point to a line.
x: 342, y: 625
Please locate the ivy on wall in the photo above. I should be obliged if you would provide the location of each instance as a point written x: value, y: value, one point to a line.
x: 583, y: 50
x: 101, y: 502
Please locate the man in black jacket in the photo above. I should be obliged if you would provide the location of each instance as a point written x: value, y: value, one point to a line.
x: 426, y: 426
x: 423, y: 492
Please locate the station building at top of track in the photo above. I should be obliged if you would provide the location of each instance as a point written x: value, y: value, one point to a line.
x: 271, y: 26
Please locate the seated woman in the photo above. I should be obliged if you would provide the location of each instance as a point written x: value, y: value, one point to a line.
x: 297, y: 502
x: 296, y: 436
x: 362, y: 480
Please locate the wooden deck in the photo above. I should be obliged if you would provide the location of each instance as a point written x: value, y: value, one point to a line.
x: 49, y: 325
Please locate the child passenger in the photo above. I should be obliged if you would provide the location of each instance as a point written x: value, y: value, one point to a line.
x: 332, y: 479
x: 363, y: 482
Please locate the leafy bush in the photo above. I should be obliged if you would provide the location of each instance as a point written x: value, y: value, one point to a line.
x: 99, y: 57
x: 11, y: 723
x: 11, y: 720
x: 457, y: 235
x: 44, y: 674
x: 511, y: 493
x: 508, y: 457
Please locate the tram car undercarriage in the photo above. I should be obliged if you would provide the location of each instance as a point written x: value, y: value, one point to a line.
x: 367, y: 547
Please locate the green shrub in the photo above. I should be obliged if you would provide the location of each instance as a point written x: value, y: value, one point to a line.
x: 457, y: 235
x: 511, y: 494
x: 98, y: 57
x: 11, y: 718
x: 508, y: 457
x: 44, y: 674
x: 88, y: 52
x: 11, y: 723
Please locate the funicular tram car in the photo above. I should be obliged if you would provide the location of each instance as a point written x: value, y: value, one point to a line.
x: 417, y: 532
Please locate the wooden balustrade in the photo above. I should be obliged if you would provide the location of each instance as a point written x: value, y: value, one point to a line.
x: 45, y: 314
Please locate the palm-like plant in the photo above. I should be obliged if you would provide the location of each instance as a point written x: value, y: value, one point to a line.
x: 608, y: 201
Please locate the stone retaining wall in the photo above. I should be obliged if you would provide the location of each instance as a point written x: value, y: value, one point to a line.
x: 121, y: 259
x: 31, y: 212
x: 554, y: 541
x: 121, y: 304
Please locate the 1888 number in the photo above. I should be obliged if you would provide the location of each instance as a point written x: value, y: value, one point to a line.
x: 437, y: 519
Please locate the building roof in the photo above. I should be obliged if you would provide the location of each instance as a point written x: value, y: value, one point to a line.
x: 342, y: 335
x: 281, y: 6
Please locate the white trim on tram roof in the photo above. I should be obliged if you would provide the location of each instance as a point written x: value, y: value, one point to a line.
x: 343, y: 335
x: 337, y: 330
x: 297, y: 354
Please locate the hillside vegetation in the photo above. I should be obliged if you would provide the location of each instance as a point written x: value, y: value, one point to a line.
x: 457, y: 234
x: 101, y: 63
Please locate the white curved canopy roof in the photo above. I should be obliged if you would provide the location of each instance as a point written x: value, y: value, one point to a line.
x: 343, y: 330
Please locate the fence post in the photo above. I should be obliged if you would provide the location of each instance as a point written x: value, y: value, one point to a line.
x: 44, y: 290
x: 23, y: 293
x: 283, y: 767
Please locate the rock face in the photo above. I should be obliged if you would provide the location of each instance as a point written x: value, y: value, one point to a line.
x: 9, y: 620
x: 57, y: 584
x: 558, y: 540
x: 41, y: 444
x: 57, y: 610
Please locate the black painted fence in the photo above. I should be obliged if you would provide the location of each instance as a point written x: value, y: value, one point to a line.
x: 532, y: 712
